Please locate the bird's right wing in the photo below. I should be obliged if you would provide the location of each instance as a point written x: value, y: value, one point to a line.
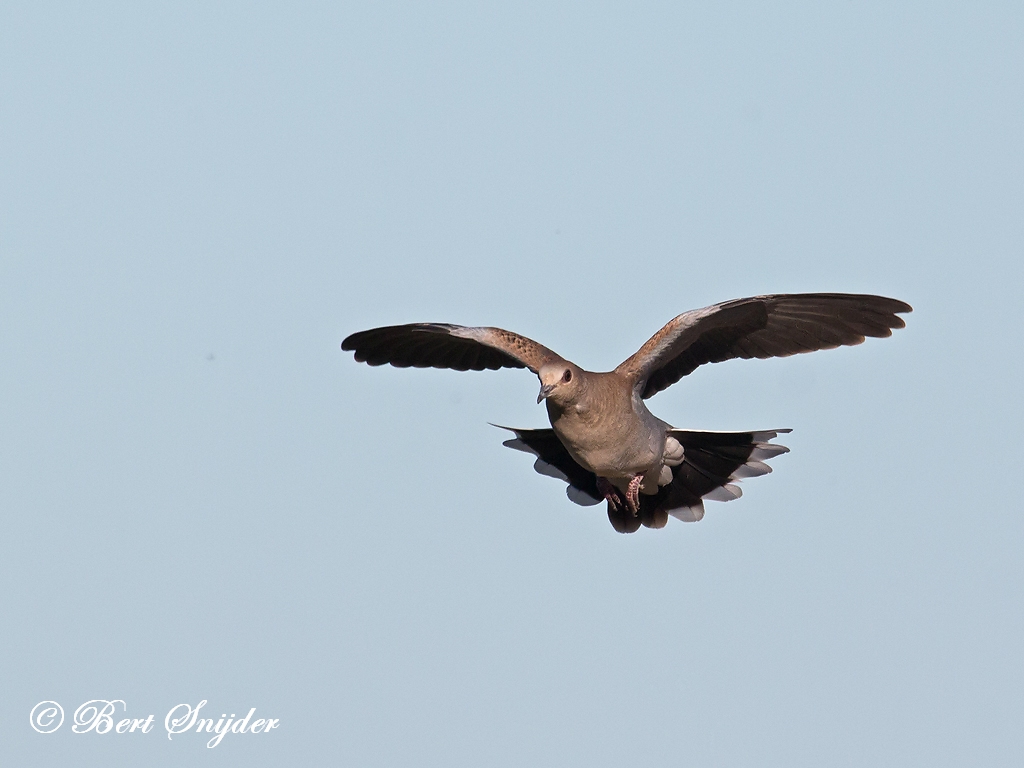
x: 440, y: 345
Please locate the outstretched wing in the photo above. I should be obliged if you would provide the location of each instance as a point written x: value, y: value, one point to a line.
x: 761, y: 326
x: 440, y: 345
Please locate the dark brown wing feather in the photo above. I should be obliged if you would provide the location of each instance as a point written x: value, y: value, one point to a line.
x: 440, y: 345
x: 761, y: 326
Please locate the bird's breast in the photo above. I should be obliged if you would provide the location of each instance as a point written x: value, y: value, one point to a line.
x: 609, y: 441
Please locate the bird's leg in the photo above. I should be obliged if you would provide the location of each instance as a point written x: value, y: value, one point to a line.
x: 610, y: 493
x: 633, y: 494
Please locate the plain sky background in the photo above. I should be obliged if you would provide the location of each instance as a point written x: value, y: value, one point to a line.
x: 204, y: 498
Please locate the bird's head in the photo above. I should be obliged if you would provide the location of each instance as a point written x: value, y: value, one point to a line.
x: 560, y: 382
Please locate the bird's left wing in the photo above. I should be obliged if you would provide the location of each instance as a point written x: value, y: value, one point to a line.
x: 440, y: 345
x: 761, y: 326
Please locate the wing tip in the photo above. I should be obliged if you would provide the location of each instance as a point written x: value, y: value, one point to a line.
x: 902, y: 307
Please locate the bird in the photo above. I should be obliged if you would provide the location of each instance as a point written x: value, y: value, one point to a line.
x: 603, y: 441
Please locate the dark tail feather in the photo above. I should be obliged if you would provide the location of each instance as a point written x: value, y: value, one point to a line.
x: 554, y: 460
x: 713, y: 462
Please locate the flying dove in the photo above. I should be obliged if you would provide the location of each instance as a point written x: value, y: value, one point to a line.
x: 603, y: 441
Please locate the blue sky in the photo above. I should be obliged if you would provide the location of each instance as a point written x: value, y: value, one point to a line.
x: 204, y: 498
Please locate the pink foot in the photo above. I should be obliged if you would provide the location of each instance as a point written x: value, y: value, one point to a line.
x: 633, y: 494
x: 611, y: 494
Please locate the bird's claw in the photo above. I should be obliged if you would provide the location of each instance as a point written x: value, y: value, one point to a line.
x: 615, y: 498
x: 611, y: 494
x: 633, y: 495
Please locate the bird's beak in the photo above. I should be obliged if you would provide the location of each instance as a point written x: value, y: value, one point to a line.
x: 545, y: 391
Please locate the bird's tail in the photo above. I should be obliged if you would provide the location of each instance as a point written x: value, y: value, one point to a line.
x: 712, y: 464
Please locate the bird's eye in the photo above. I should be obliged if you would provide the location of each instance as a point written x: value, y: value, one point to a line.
x: 567, y: 376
